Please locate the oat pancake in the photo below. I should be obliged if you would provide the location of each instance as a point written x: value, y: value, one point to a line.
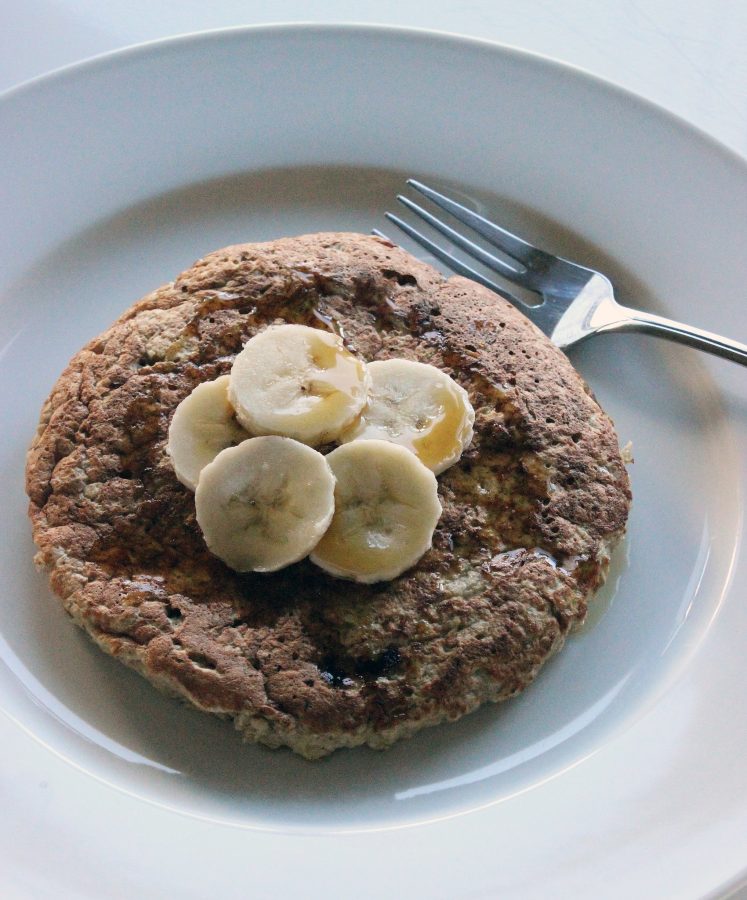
x: 298, y: 658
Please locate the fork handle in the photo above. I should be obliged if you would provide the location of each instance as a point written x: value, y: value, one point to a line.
x: 637, y: 320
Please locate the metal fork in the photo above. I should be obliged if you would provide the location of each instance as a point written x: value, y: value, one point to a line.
x: 576, y: 302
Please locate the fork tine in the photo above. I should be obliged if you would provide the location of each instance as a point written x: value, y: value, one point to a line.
x: 522, y: 251
x: 451, y: 261
x: 487, y: 259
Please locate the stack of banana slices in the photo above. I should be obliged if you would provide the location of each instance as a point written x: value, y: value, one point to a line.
x: 265, y: 498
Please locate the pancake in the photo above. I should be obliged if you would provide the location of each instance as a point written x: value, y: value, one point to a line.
x: 298, y: 658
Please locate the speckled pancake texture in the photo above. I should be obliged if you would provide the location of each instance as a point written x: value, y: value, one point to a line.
x: 299, y: 658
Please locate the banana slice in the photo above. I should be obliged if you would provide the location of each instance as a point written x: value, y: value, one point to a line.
x: 299, y: 382
x: 265, y: 504
x: 419, y: 407
x: 386, y: 508
x: 202, y: 425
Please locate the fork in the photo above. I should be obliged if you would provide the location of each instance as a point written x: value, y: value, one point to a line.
x: 576, y: 302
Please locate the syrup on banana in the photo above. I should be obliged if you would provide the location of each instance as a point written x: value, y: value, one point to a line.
x: 418, y: 406
x: 299, y: 382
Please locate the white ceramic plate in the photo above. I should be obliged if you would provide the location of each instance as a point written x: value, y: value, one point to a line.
x: 628, y: 754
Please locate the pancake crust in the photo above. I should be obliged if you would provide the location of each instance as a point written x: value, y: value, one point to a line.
x: 298, y: 658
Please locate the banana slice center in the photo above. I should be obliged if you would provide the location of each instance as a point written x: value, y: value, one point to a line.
x: 386, y: 508
x: 265, y: 504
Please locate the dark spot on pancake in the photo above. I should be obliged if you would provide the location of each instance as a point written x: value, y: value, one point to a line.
x: 199, y: 659
x: 404, y: 279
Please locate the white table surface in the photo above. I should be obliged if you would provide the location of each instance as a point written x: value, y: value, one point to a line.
x: 688, y: 58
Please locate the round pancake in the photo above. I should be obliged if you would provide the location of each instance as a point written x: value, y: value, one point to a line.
x: 299, y: 658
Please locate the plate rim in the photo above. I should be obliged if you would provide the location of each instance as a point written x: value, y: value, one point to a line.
x: 143, y: 48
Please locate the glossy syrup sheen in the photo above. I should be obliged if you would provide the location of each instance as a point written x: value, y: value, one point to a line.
x: 442, y: 438
x: 341, y: 375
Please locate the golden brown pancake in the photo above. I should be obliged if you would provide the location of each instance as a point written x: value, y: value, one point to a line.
x: 299, y: 658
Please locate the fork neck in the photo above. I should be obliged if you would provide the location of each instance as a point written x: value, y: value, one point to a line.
x: 636, y: 320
